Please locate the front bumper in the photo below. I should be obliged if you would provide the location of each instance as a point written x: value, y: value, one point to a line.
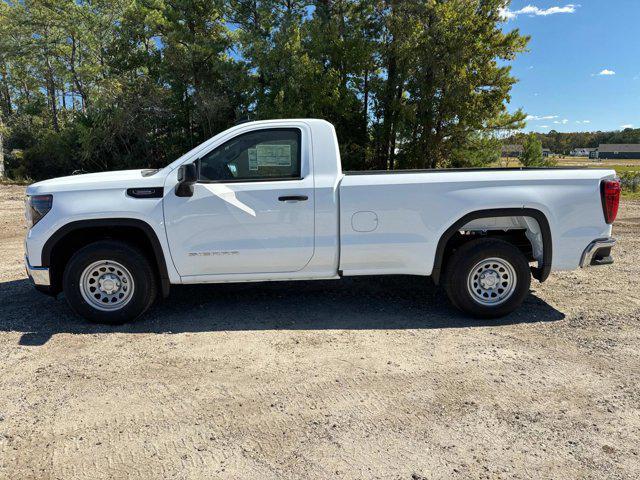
x: 598, y: 253
x: 38, y: 275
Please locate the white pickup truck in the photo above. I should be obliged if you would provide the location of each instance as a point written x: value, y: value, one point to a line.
x: 268, y: 200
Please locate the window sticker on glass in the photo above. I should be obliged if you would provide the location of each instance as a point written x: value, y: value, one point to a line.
x: 265, y: 155
x: 253, y: 159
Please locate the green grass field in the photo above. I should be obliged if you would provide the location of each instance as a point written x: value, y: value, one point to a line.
x: 622, y: 167
x: 618, y: 165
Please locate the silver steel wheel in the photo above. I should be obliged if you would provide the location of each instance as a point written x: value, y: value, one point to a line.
x: 106, y: 285
x: 492, y: 281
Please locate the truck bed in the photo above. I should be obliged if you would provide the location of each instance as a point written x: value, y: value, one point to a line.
x: 391, y: 220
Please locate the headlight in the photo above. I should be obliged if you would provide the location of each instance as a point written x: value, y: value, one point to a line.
x: 37, y: 206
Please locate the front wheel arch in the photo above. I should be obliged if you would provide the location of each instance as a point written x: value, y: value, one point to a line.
x: 59, y: 248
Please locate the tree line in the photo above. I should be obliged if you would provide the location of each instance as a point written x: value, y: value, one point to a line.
x: 563, y: 143
x: 110, y: 84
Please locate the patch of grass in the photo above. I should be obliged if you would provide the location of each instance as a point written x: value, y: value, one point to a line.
x: 630, y: 166
x: 624, y: 168
x: 9, y: 181
x: 618, y: 166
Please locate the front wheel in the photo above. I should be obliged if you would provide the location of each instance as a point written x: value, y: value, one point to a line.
x: 488, y: 278
x: 109, y: 282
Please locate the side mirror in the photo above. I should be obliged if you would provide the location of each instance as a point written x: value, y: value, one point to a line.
x: 187, y: 177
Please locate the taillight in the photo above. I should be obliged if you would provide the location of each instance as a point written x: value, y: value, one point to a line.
x: 610, y: 191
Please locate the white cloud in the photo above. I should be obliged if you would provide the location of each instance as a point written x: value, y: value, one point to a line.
x: 564, y: 121
x: 628, y: 125
x: 583, y: 122
x: 606, y: 73
x: 544, y: 126
x: 532, y: 10
x: 507, y: 14
x: 541, y: 117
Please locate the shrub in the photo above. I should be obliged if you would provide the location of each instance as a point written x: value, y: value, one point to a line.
x: 630, y: 181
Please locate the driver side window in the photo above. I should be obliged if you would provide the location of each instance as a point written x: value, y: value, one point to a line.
x: 272, y: 154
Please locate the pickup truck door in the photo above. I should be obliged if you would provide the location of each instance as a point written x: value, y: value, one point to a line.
x: 252, y: 210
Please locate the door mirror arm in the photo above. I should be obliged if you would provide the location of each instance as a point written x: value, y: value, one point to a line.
x: 187, y: 178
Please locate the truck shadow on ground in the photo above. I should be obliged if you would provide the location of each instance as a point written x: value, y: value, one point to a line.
x: 358, y: 303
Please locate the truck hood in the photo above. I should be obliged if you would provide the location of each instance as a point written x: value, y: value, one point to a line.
x: 98, y: 181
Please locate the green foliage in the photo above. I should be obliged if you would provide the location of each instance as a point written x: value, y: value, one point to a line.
x: 478, y: 151
x: 532, y: 153
x: 102, y: 84
x: 54, y: 155
x: 630, y: 181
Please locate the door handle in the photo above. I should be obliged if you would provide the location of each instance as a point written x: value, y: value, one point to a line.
x: 293, y: 198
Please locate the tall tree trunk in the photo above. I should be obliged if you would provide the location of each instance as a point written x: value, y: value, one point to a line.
x: 258, y: 30
x: 76, y: 79
x: 341, y: 60
x: 5, y: 93
x: 51, y: 91
x: 394, y: 126
x: 365, y: 100
x: 425, y: 118
x: 2, y: 171
x: 389, y: 110
x: 50, y: 83
x: 390, y: 93
x: 365, y: 113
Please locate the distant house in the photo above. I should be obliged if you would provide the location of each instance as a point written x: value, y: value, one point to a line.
x: 620, y: 151
x: 512, y: 150
x: 546, y: 152
x: 582, y: 152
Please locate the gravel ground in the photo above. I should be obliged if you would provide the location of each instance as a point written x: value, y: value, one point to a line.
x: 360, y: 378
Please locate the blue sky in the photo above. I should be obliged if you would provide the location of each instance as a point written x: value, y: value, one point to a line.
x: 582, y: 71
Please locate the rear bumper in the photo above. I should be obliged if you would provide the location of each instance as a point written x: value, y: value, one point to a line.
x: 38, y: 275
x: 598, y: 253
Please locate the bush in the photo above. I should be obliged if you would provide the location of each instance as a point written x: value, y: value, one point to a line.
x: 532, y: 154
x: 630, y: 181
x: 54, y: 155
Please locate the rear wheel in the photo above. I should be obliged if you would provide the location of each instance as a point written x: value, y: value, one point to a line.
x: 109, y: 282
x: 488, y: 278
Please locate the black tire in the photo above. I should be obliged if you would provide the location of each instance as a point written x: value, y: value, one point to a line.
x: 144, y: 289
x: 458, y: 283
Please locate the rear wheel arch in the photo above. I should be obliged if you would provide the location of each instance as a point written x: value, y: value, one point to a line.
x: 541, y: 273
x: 59, y: 248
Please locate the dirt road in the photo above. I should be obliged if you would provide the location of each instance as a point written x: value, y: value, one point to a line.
x: 363, y: 378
